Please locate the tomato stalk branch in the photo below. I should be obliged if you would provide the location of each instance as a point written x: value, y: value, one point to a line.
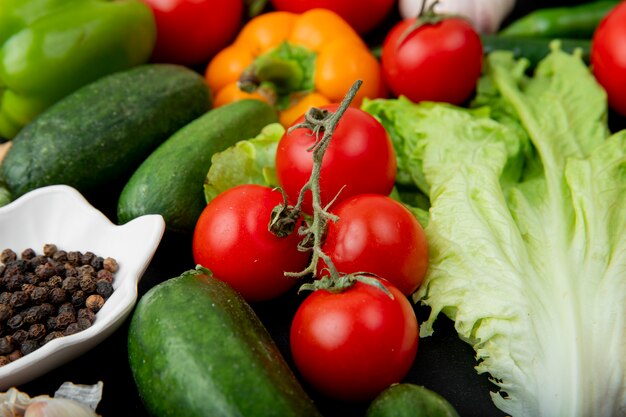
x: 322, y: 123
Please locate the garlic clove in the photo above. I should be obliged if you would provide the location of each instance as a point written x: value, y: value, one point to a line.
x: 58, y: 407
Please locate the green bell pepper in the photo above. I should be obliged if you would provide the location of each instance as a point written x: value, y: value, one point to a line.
x: 49, y: 48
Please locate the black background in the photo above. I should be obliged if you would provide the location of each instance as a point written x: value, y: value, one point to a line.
x: 443, y: 363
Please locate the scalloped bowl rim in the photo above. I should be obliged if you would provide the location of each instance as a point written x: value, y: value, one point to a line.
x: 77, y: 225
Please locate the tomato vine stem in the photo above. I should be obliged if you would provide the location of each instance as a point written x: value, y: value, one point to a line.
x: 322, y: 124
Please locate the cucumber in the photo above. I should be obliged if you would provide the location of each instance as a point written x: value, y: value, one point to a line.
x: 533, y: 49
x: 104, y: 130
x: 197, y: 349
x: 410, y: 400
x: 170, y: 182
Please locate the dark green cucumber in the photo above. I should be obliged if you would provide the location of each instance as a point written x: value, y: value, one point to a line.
x: 197, y: 349
x: 410, y: 400
x: 170, y: 181
x: 573, y: 21
x: 105, y: 129
x: 533, y: 49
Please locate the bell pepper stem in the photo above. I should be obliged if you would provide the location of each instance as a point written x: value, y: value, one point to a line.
x: 285, y: 75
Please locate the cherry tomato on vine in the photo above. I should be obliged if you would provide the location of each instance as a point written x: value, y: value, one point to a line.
x: 436, y: 61
x: 360, y: 156
x: 608, y: 56
x: 231, y: 238
x: 353, y: 344
x: 378, y: 235
x: 191, y: 31
x: 362, y: 15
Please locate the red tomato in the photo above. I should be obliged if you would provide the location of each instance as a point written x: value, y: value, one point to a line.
x: 435, y: 62
x: 377, y: 234
x: 362, y: 15
x: 232, y: 240
x: 608, y: 57
x: 192, y: 31
x: 360, y: 156
x: 353, y: 344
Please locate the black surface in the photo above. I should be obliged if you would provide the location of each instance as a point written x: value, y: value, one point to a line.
x: 443, y: 363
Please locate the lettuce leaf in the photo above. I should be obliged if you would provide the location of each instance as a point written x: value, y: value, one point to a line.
x: 528, y: 243
x: 249, y: 161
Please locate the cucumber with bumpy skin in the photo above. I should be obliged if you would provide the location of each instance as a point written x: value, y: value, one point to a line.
x: 170, y: 182
x: 197, y: 349
x: 104, y: 130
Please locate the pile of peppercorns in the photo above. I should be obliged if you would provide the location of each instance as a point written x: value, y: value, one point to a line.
x: 51, y: 295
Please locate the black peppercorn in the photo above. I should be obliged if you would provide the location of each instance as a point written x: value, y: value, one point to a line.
x: 5, y: 297
x: 88, y: 283
x: 69, y: 270
x: 46, y: 309
x: 19, y: 299
x: 105, y: 274
x: 78, y: 299
x: 64, y: 320
x: 13, y: 282
x: 29, y: 346
x: 5, y: 312
x: 66, y: 308
x: 104, y: 288
x: 39, y: 295
x: 15, y: 355
x: 19, y: 336
x: 51, y: 323
x: 16, y: 321
x: 110, y: 264
x: 74, y: 257
x: 28, y: 254
x: 83, y: 323
x: 36, y: 331
x: 55, y: 282
x: 7, y: 255
x: 85, y: 313
x: 94, y: 302
x: 45, y: 271
x: 72, y: 328
x: 87, y: 258
x: 57, y: 296
x: 52, y: 335
x: 49, y: 249
x: 6, y: 345
x: 85, y: 269
x: 32, y: 315
x: 37, y: 261
x: 59, y: 256
x: 71, y: 283
x: 32, y: 278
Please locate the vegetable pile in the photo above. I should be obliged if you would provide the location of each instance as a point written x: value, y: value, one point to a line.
x: 376, y: 171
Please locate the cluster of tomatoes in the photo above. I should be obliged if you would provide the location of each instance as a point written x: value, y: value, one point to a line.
x: 349, y: 343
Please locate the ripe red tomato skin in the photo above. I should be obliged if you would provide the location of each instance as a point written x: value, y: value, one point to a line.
x: 379, y: 235
x: 362, y: 15
x: 360, y: 156
x: 352, y: 345
x: 231, y: 239
x: 608, y: 57
x: 192, y: 31
x: 436, y: 62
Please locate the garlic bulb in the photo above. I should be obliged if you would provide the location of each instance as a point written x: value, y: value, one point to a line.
x: 485, y: 15
x: 58, y: 407
x: 70, y: 400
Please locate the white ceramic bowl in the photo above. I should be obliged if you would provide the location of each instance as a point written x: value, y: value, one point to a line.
x: 61, y: 215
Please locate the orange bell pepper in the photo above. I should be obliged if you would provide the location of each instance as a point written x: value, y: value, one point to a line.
x: 295, y: 61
